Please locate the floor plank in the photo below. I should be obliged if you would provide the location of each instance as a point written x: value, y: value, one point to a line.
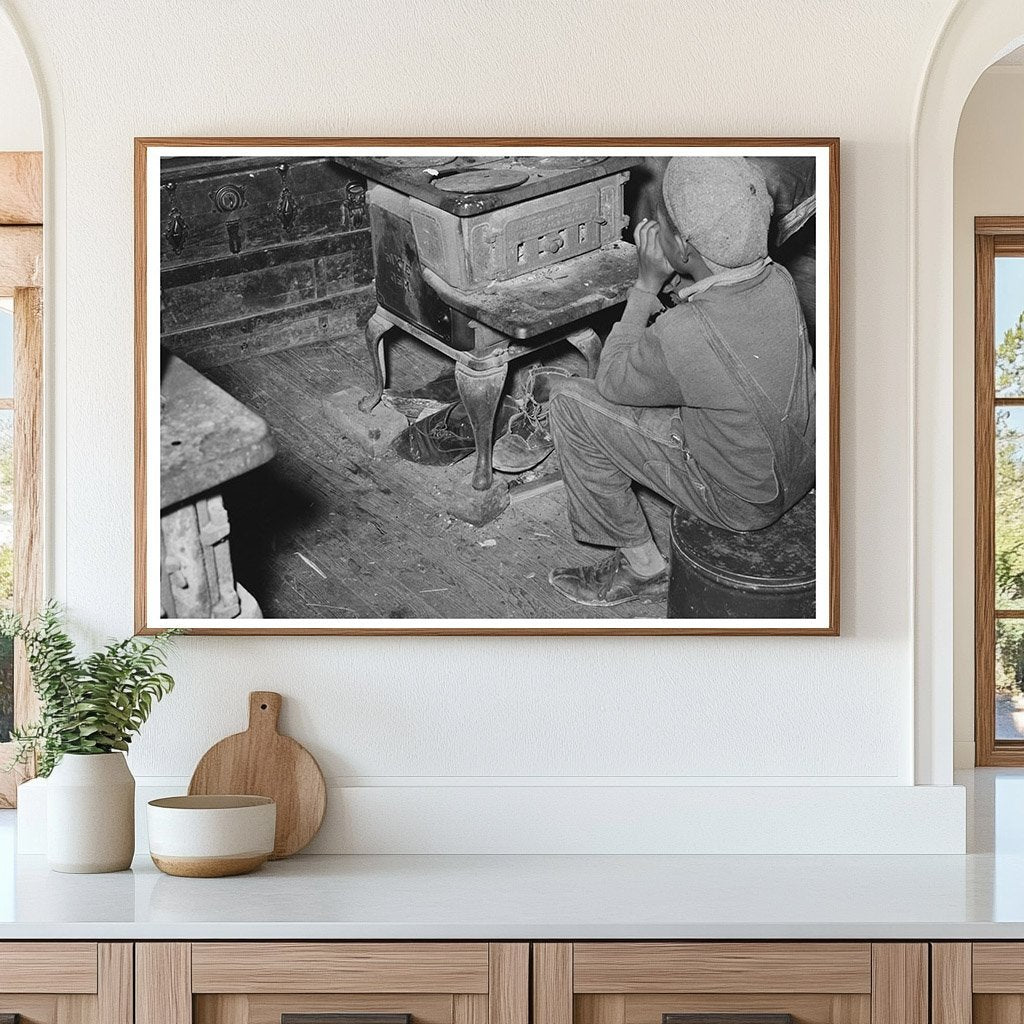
x: 326, y: 531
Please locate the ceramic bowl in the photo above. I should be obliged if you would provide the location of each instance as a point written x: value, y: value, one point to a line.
x: 211, y: 836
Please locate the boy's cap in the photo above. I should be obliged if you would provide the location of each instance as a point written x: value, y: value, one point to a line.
x: 721, y: 206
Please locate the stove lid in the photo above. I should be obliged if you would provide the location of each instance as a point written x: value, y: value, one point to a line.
x: 481, y: 182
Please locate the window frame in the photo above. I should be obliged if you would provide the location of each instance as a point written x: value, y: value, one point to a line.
x: 993, y: 237
x: 21, y: 270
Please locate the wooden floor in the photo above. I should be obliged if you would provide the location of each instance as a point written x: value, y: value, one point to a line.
x: 326, y: 531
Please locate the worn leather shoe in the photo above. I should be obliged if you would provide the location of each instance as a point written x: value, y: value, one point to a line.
x: 607, y: 583
x: 444, y: 437
x: 528, y: 442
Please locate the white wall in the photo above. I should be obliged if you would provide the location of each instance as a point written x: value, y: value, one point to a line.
x: 21, y: 126
x: 440, y: 713
x: 987, y: 182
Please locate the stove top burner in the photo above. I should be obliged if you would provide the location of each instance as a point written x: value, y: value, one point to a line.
x: 560, y: 163
x: 415, y: 162
x: 491, y: 179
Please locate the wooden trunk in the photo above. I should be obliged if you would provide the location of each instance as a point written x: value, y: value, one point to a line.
x: 254, y: 260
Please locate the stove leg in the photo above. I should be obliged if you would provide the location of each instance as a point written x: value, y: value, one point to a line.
x: 480, y: 391
x: 376, y: 328
x: 588, y: 344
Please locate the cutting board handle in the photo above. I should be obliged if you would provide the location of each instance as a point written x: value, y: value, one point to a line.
x: 264, y: 710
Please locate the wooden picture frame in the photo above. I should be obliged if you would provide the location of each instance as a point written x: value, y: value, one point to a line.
x: 153, y: 230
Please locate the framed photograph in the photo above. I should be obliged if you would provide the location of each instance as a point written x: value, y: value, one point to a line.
x: 500, y: 386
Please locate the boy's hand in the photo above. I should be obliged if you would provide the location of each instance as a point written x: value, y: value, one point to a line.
x: 654, y: 268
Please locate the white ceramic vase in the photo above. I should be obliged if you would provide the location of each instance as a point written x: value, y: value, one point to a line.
x: 90, y: 814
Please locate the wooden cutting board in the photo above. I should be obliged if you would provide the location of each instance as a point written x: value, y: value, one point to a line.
x: 262, y: 762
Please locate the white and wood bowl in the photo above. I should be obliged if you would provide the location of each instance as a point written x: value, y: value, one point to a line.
x: 211, y: 836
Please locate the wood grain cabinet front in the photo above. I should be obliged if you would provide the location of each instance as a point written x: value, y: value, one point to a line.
x: 730, y: 983
x: 978, y: 983
x: 66, y: 982
x: 332, y: 983
x: 494, y: 983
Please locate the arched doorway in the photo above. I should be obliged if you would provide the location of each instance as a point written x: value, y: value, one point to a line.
x: 976, y: 34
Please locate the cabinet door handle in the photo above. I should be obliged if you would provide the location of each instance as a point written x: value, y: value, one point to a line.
x: 726, y: 1018
x: 341, y: 1018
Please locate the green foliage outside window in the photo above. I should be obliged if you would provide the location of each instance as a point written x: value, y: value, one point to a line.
x: 1009, y: 510
x: 6, y: 571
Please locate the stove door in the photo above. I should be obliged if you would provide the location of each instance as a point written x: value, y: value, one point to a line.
x: 399, y: 279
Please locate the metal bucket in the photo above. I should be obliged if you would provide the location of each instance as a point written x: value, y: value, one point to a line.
x: 764, y: 574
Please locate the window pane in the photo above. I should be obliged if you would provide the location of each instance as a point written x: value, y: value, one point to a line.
x: 6, y: 349
x: 6, y: 566
x: 1009, y: 322
x: 1009, y: 679
x: 1009, y: 532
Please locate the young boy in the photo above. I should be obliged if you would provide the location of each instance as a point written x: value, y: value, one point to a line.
x: 710, y: 405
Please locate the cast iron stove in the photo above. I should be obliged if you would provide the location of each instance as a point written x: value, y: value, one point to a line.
x: 488, y: 258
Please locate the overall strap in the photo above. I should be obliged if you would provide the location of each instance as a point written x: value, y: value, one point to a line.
x: 793, y: 458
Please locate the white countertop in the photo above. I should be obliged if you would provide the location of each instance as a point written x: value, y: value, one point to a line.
x: 977, y: 896
x: 516, y: 897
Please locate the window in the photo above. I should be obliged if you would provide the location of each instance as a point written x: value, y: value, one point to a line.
x: 999, y: 490
x: 20, y: 502
x: 21, y: 365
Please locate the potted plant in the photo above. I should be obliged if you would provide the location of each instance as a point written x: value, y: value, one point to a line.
x: 89, y: 710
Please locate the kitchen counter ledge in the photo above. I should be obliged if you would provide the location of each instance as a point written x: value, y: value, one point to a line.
x: 978, y: 896
x: 532, y: 897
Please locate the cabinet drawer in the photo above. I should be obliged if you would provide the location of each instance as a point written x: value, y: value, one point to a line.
x: 65, y: 967
x: 66, y: 982
x: 633, y: 967
x: 998, y: 968
x: 981, y: 982
x: 340, y: 967
x: 332, y: 983
x: 730, y: 983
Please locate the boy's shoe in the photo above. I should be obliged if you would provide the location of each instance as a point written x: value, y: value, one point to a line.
x: 606, y: 583
x: 528, y: 442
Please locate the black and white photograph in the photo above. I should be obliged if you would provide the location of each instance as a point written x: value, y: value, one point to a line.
x: 401, y: 386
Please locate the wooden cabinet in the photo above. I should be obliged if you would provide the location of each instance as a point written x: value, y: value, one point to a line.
x: 978, y: 983
x: 66, y: 982
x: 512, y: 982
x: 814, y: 982
x: 259, y: 982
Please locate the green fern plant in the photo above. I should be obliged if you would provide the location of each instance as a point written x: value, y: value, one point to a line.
x: 90, y: 705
